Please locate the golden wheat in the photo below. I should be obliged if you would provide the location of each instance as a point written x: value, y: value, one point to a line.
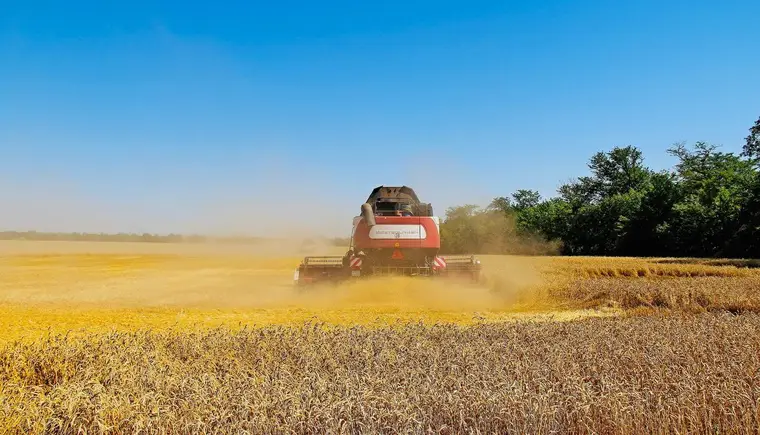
x: 620, y: 375
x: 145, y: 338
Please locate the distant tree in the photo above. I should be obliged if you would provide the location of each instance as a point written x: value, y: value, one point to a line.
x: 502, y: 204
x: 715, y: 187
x: 524, y: 199
x: 615, y: 172
x: 751, y: 147
x: 746, y: 241
x: 579, y: 192
x: 708, y: 205
x: 618, y: 171
x: 458, y: 232
x: 747, y: 238
x: 550, y: 218
x: 473, y: 230
x: 647, y: 230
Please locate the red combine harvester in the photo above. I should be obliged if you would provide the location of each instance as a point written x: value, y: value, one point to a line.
x: 395, y: 234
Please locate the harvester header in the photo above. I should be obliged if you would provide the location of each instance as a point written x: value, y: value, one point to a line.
x: 394, y: 234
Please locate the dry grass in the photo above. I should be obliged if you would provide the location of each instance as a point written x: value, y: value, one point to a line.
x: 169, y: 338
x: 736, y: 294
x: 622, y: 375
x: 654, y: 284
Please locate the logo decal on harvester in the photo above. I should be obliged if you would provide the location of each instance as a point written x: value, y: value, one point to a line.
x: 407, y: 232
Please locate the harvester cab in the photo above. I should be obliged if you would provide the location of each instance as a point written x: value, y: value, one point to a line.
x: 394, y: 234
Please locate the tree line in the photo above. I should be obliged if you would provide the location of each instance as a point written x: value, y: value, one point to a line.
x: 708, y: 205
x: 120, y: 237
x: 157, y: 238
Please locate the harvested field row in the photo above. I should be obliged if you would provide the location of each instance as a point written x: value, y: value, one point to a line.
x: 696, y: 373
x: 737, y: 295
x: 625, y: 267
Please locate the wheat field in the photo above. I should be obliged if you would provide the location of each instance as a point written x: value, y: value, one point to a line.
x: 162, y: 338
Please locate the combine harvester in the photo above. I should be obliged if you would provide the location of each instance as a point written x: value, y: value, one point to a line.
x: 395, y: 234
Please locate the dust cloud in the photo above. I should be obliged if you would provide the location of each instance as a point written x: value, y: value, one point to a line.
x: 416, y: 294
x: 296, y: 207
x: 509, y: 283
x: 142, y: 275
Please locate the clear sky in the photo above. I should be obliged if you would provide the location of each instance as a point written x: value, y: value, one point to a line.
x: 230, y: 116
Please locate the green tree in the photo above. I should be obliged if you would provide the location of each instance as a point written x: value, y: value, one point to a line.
x: 751, y: 147
x: 715, y: 188
x: 605, y: 206
x: 502, y: 204
x: 469, y: 229
x: 647, y: 232
x: 618, y: 171
x: 458, y: 231
x: 549, y: 219
x: 524, y: 199
x: 615, y: 172
x: 746, y: 242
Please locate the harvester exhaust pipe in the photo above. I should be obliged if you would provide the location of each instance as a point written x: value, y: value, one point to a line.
x: 368, y: 215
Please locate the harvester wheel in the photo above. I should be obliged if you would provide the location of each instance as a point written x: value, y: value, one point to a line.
x: 477, y: 277
x: 299, y: 280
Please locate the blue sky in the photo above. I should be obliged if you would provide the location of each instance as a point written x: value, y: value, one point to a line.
x: 189, y: 116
